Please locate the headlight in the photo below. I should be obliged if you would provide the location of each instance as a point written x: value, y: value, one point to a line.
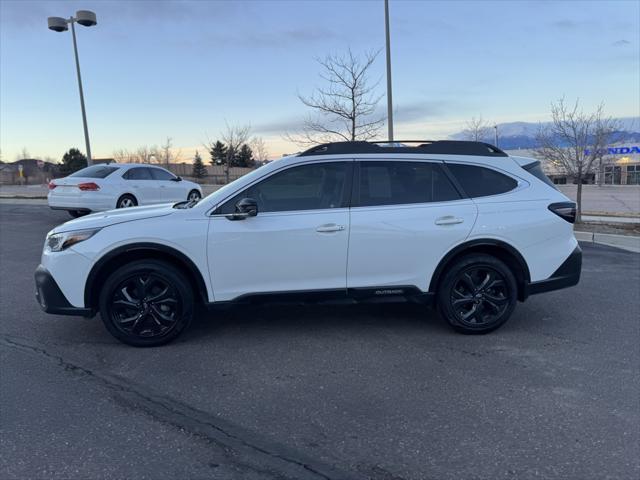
x: 60, y: 241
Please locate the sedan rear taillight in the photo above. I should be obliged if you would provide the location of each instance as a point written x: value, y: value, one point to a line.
x: 88, y: 187
x: 52, y: 185
x: 565, y: 210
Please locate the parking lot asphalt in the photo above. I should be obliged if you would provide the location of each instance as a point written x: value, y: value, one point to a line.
x: 380, y: 392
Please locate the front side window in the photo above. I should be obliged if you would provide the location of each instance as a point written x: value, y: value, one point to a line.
x: 396, y: 183
x: 307, y: 187
x: 160, y: 174
x: 481, y: 182
x: 138, y: 173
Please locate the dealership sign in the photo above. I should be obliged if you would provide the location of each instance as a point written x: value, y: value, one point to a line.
x: 616, y: 151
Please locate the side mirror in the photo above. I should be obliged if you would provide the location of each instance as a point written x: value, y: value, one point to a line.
x: 177, y: 179
x: 246, y: 207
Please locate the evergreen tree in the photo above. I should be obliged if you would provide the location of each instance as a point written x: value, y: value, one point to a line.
x: 199, y: 170
x: 72, y: 161
x: 218, y: 153
x: 245, y: 157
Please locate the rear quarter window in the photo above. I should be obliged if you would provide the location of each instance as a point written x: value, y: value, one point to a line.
x: 535, y: 169
x: 481, y: 182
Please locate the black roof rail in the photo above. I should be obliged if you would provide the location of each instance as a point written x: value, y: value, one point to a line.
x: 442, y: 147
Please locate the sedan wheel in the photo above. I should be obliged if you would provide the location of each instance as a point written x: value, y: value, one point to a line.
x: 126, y: 201
x: 194, y: 196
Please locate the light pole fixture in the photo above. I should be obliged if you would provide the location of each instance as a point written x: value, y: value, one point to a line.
x: 388, y: 45
x: 495, y: 128
x: 85, y: 18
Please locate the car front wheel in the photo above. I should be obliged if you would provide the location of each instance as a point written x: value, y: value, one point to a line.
x: 477, y: 294
x: 194, y: 196
x: 146, y: 303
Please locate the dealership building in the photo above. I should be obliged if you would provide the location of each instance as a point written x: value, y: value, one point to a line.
x: 621, y: 166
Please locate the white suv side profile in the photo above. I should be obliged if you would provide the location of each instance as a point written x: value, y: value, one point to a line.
x: 118, y: 185
x: 459, y: 225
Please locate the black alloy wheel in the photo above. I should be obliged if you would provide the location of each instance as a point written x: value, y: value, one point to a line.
x: 478, y: 294
x: 146, y: 303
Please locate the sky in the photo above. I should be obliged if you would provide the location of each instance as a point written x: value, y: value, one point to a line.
x: 181, y: 69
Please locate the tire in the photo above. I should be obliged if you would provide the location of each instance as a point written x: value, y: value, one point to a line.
x: 76, y: 213
x: 126, y: 201
x: 130, y: 315
x: 477, y: 294
x: 194, y: 196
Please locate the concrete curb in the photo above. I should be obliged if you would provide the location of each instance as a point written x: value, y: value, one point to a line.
x: 630, y: 243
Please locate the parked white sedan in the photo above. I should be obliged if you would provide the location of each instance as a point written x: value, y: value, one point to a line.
x: 104, y: 187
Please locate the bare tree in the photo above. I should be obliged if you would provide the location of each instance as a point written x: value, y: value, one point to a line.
x: 345, y: 108
x: 234, y: 136
x: 24, y: 153
x: 260, y: 152
x: 575, y: 141
x: 477, y: 129
x: 167, y: 154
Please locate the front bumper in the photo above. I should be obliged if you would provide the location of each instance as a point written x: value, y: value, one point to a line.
x: 51, y: 299
x: 567, y: 275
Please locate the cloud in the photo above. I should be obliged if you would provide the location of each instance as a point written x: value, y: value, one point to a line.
x: 422, y: 110
x: 620, y: 43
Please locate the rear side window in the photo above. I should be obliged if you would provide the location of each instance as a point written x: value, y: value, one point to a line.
x: 159, y: 174
x: 535, y: 169
x: 139, y: 173
x: 95, y: 171
x: 480, y: 181
x: 397, y: 183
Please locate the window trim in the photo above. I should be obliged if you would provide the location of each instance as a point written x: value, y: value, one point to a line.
x: 355, y: 195
x: 213, y: 212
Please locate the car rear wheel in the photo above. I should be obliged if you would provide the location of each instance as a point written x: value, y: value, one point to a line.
x: 194, y: 196
x: 477, y: 294
x: 146, y: 303
x: 77, y: 213
x: 126, y: 201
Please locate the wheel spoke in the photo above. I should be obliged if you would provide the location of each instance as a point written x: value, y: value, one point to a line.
x: 468, y: 282
x: 161, y: 316
x: 487, y: 279
x: 496, y: 300
x: 126, y: 303
x: 462, y: 301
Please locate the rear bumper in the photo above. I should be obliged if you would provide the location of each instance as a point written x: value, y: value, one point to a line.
x: 567, y: 275
x: 51, y: 299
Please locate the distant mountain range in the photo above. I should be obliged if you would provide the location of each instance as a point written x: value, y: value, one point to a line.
x: 515, y: 135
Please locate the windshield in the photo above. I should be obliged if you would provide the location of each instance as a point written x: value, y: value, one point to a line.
x: 95, y: 171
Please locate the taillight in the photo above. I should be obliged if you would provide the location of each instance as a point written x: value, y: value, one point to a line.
x: 89, y: 186
x: 52, y: 185
x: 565, y: 210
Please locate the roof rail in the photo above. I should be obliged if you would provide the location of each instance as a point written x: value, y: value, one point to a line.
x: 442, y: 147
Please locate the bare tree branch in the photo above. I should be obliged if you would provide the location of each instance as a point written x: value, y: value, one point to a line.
x: 574, y: 141
x: 343, y: 108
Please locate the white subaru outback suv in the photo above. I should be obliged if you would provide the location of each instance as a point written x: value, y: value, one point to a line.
x: 461, y: 225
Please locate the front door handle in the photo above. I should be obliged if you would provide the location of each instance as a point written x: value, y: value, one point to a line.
x: 330, y: 227
x: 448, y: 220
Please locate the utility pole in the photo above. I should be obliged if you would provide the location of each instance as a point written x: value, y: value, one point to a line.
x: 495, y: 127
x: 389, y: 97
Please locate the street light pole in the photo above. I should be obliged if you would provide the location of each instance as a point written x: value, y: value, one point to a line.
x: 85, y: 18
x: 495, y: 127
x: 84, y: 112
x: 389, y: 99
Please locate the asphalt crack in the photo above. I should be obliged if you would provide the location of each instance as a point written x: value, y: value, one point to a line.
x: 249, y: 449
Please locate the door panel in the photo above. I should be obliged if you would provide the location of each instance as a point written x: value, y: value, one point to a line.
x: 138, y: 181
x: 168, y: 190
x: 298, y: 240
x: 402, y: 245
x: 278, y: 252
x: 408, y: 215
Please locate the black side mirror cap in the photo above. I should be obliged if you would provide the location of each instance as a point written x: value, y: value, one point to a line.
x: 245, y: 208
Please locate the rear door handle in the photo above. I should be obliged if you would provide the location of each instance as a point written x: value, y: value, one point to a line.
x: 330, y: 227
x: 448, y: 220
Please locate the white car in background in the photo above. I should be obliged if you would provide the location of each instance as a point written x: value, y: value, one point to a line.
x: 105, y: 187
